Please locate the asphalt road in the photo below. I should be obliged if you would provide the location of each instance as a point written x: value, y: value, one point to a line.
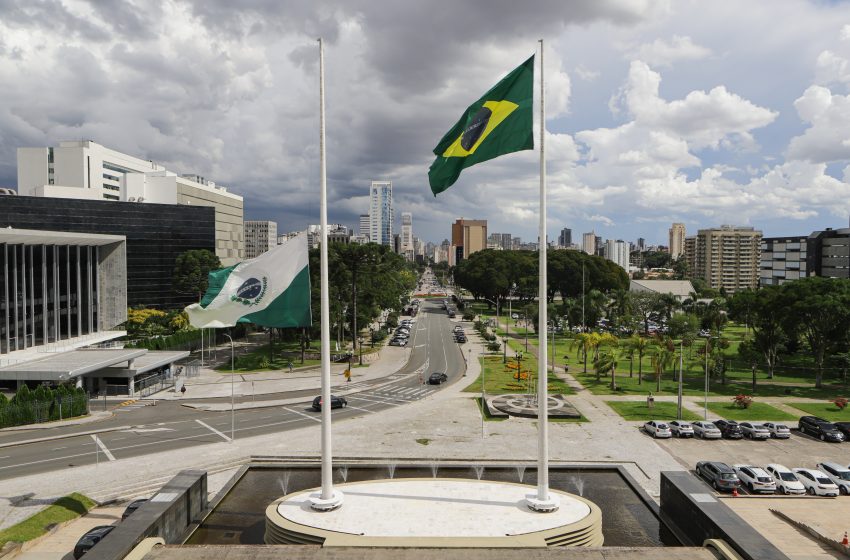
x: 170, y: 426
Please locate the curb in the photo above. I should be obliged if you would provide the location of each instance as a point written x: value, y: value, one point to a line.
x: 63, y: 436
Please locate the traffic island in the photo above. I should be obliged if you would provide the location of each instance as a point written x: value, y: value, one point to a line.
x: 525, y: 406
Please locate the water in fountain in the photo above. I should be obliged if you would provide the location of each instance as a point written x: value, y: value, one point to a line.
x: 391, y: 469
x: 343, y: 473
x: 284, y: 481
x: 434, y: 467
x: 578, y: 483
x: 520, y: 473
x: 479, y: 471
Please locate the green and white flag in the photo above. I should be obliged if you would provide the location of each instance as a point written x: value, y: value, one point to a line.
x: 272, y: 290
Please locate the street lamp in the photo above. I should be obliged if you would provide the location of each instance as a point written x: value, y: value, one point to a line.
x: 371, y: 337
x: 707, y: 352
x: 232, y: 375
x: 360, y: 341
x: 505, y: 349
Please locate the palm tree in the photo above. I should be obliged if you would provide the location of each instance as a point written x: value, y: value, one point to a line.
x: 584, y: 342
x: 670, y: 303
x: 640, y: 345
x: 604, y: 363
x: 662, y: 357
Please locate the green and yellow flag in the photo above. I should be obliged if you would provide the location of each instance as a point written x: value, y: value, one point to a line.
x: 499, y: 123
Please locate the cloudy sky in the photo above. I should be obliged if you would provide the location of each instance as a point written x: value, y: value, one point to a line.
x: 706, y: 113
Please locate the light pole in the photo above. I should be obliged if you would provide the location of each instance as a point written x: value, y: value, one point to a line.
x: 679, y: 400
x: 360, y: 341
x: 232, y: 375
x: 505, y: 349
x: 510, y: 310
x: 705, y: 403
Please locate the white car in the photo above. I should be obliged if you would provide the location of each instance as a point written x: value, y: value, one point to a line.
x: 786, y: 481
x: 779, y: 431
x: 816, y: 482
x: 755, y: 479
x: 706, y: 430
x: 658, y: 429
x: 838, y: 475
x: 754, y: 431
x: 681, y: 429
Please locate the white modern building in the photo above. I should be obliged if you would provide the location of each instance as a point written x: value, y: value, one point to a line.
x: 618, y: 252
x: 260, y: 236
x: 365, y: 228
x: 381, y: 213
x: 588, y: 243
x: 87, y: 170
x: 407, y: 245
x: 677, y: 240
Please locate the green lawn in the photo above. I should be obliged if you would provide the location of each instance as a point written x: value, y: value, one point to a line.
x: 756, y: 411
x: 63, y: 509
x: 637, y: 410
x: 499, y: 379
x: 253, y: 361
x: 827, y: 411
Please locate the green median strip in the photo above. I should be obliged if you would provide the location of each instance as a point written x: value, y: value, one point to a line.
x: 638, y: 411
x: 756, y: 412
x: 63, y: 509
x: 827, y: 411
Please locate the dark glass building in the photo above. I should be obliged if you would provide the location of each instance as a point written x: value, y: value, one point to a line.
x: 156, y: 234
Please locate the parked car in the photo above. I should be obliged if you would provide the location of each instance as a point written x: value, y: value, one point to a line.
x: 729, y: 429
x: 752, y: 430
x: 706, y: 430
x: 398, y: 342
x: 839, y: 475
x: 755, y: 479
x: 844, y: 428
x: 437, y: 378
x: 91, y: 538
x: 681, y: 429
x: 785, y: 479
x: 336, y: 402
x: 719, y: 475
x: 658, y: 429
x: 779, y: 431
x: 460, y: 339
x: 816, y: 482
x: 458, y: 328
x: 820, y: 428
x: 131, y: 507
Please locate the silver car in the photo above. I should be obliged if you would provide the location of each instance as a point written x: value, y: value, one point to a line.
x: 681, y: 429
x: 706, y: 430
x: 658, y: 429
x: 779, y: 431
x: 754, y: 431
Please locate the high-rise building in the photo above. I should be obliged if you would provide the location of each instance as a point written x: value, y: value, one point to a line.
x: 588, y: 243
x: 641, y: 244
x: 407, y: 245
x: 260, y: 236
x: 727, y: 258
x: 90, y: 171
x: 783, y: 259
x: 618, y: 252
x: 381, y: 213
x: 677, y: 240
x: 565, y: 239
x: 828, y: 253
x: 468, y: 236
x: 365, y: 229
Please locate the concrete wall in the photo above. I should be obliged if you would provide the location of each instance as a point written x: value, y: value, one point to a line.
x: 178, y: 505
x: 112, y: 286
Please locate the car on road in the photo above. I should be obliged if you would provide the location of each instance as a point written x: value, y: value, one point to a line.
x: 398, y: 342
x: 460, y: 339
x: 132, y: 507
x: 820, y: 428
x: 437, y: 378
x: 752, y: 430
x: 706, y: 430
x: 839, y: 475
x: 729, y: 428
x: 719, y: 475
x: 779, y: 431
x: 785, y: 479
x: 681, y: 429
x: 755, y: 479
x: 458, y: 328
x: 91, y: 538
x: 844, y: 428
x: 658, y: 429
x: 816, y: 482
x: 336, y: 402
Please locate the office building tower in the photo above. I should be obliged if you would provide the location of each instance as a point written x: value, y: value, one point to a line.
x: 260, y: 236
x: 726, y: 257
x: 565, y: 239
x: 365, y: 229
x: 828, y: 253
x: 641, y: 244
x: 381, y: 213
x: 588, y: 243
x: 618, y: 252
x: 677, y: 240
x: 468, y: 236
x: 87, y: 170
x: 407, y: 245
x: 783, y: 259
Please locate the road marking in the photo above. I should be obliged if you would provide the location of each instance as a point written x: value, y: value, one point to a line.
x: 302, y: 414
x: 213, y: 430
x: 103, y: 448
x: 361, y: 409
x: 379, y: 400
x: 5, y: 456
x: 58, y: 448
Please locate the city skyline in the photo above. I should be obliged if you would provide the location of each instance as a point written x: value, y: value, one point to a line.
x: 631, y: 147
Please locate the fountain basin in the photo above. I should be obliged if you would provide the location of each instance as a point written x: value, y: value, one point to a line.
x: 425, y: 512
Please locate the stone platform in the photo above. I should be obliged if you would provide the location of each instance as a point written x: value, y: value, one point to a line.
x: 525, y: 406
x: 434, y: 513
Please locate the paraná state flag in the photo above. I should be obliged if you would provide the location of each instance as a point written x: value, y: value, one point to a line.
x: 272, y: 290
x: 499, y: 123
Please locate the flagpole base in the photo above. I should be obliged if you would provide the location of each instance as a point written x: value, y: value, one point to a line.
x: 330, y: 504
x: 542, y: 506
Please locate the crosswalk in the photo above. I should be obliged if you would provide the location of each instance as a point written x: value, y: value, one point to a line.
x: 405, y: 392
x: 128, y: 406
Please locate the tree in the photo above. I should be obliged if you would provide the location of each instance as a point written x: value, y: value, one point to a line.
x: 662, y: 357
x: 644, y: 304
x: 683, y: 325
x: 191, y: 271
x: 640, y: 345
x: 669, y: 303
x: 767, y: 310
x: 604, y: 363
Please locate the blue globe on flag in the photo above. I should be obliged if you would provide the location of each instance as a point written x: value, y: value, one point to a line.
x: 250, y: 289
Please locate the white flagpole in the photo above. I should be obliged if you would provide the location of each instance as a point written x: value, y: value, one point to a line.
x: 543, y: 501
x: 329, y: 498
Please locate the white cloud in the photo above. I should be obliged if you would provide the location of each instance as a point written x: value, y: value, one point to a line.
x: 828, y: 137
x: 586, y: 74
x: 665, y: 53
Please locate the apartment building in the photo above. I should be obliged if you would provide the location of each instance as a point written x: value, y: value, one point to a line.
x: 677, y: 240
x: 260, y: 236
x: 726, y: 258
x: 468, y: 236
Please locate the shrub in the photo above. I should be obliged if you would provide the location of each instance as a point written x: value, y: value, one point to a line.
x: 478, y: 325
x: 840, y: 402
x: 265, y: 363
x: 742, y: 401
x: 494, y: 346
x: 468, y: 315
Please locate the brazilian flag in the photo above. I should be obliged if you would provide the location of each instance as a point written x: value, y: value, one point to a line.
x: 499, y: 123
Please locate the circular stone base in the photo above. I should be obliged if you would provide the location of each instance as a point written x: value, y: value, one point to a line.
x: 419, y: 512
x: 525, y: 406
